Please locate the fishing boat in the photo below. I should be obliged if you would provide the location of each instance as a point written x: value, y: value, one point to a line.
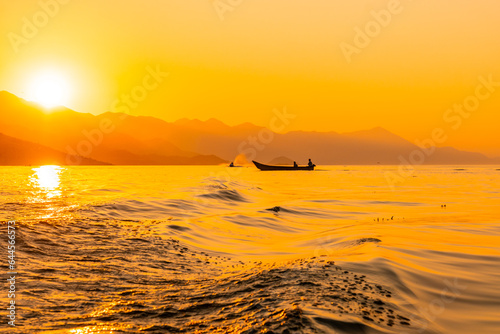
x: 271, y: 167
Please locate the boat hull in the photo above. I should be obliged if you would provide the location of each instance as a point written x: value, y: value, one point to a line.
x: 270, y: 167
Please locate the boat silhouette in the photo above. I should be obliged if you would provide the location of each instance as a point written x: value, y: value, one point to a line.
x: 274, y: 167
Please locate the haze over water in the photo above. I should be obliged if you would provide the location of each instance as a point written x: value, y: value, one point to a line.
x: 197, y: 249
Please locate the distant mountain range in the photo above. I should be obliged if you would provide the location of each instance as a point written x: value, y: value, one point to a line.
x: 30, y: 134
x: 16, y: 152
x: 281, y: 161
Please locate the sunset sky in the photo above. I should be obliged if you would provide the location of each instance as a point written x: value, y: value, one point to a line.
x: 238, y: 62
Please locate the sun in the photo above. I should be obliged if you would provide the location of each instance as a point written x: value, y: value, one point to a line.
x: 49, y: 88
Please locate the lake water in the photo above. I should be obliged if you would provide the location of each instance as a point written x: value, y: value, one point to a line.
x: 235, y: 250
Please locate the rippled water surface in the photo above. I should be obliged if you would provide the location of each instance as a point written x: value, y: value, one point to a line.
x: 236, y: 250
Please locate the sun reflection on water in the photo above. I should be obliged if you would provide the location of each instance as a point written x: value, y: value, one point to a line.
x: 98, y: 329
x: 47, y: 178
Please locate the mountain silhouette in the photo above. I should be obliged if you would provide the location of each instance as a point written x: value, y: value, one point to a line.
x: 123, y: 139
x: 16, y: 152
x: 281, y: 161
x: 80, y: 135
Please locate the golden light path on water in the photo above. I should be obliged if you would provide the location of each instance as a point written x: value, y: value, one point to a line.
x: 48, y: 179
x: 98, y: 329
x: 47, y: 192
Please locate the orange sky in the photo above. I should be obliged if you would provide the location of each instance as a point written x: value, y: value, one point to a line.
x: 238, y: 63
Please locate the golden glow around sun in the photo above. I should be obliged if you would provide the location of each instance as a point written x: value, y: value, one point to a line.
x: 49, y: 88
